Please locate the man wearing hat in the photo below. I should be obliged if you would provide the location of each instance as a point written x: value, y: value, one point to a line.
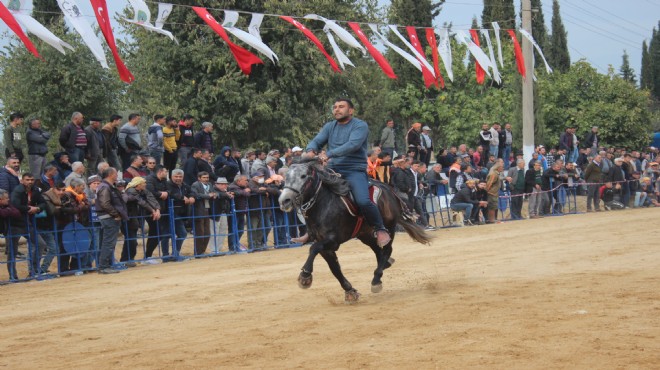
x: 296, y: 151
x: 427, y: 143
x: 221, y: 214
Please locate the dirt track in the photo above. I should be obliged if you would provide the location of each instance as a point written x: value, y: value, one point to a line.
x: 565, y: 292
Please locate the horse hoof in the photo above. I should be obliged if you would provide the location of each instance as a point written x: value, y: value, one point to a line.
x: 305, y: 282
x: 352, y: 296
x: 389, y: 263
x: 377, y: 288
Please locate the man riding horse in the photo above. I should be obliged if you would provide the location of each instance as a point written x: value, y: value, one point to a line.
x: 346, y: 138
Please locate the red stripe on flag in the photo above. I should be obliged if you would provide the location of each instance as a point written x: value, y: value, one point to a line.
x: 429, y: 79
x: 314, y: 39
x: 430, y: 37
x: 101, y: 12
x: 9, y: 19
x: 244, y: 58
x: 520, y: 59
x: 378, y: 57
x: 481, y: 74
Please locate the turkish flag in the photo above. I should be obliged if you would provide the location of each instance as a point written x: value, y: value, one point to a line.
x: 9, y: 19
x: 520, y: 59
x: 430, y: 37
x: 243, y: 57
x: 101, y: 12
x: 378, y: 57
x: 481, y: 74
x: 314, y: 39
x: 429, y: 78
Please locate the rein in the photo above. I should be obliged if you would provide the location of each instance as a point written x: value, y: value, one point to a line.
x: 304, y: 207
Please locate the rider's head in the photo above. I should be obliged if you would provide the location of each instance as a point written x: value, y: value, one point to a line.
x: 342, y: 110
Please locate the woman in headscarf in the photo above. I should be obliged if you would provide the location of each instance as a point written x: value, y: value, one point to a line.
x: 140, y: 203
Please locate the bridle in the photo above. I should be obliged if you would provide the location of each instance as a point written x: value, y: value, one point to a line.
x: 314, y: 183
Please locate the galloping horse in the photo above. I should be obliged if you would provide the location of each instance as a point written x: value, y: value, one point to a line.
x: 322, y: 198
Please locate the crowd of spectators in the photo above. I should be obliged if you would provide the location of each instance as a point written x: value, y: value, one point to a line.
x: 111, y: 179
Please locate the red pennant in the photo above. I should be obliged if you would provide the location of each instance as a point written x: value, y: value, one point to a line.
x: 378, y: 57
x: 243, y: 57
x: 101, y: 12
x: 313, y: 38
x: 481, y: 74
x: 430, y: 37
x: 520, y: 60
x: 429, y: 78
x: 9, y: 19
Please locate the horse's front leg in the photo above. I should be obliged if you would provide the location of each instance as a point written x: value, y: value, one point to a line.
x: 305, y: 277
x: 330, y: 257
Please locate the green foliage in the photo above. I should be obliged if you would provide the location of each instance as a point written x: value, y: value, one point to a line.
x: 654, y: 53
x: 627, y: 73
x: 557, y: 51
x: 539, y: 31
x: 645, y: 79
x: 500, y: 11
x: 585, y: 98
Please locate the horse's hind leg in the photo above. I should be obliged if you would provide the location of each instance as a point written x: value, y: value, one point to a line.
x: 383, y: 261
x: 330, y: 257
x: 305, y: 277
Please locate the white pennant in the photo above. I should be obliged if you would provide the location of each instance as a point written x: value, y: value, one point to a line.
x: 422, y: 59
x: 341, y: 57
x: 396, y: 49
x: 71, y: 11
x: 496, y: 73
x: 142, y: 18
x: 231, y: 18
x: 344, y: 35
x: 164, y: 11
x: 496, y: 27
x: 21, y: 11
x: 255, y: 24
x: 444, y: 49
x: 479, y: 54
x: 538, y: 48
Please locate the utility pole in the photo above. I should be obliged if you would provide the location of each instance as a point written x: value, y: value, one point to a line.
x: 528, y: 84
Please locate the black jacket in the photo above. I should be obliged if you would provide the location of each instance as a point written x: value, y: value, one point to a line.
x: 176, y: 193
x: 157, y: 187
x: 8, y: 181
x: 190, y: 170
x: 37, y: 141
x: 19, y: 199
x: 465, y: 195
x: 68, y: 136
x: 530, y: 180
x: 399, y: 180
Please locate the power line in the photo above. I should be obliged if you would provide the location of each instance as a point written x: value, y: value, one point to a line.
x: 603, y: 32
x: 587, y: 59
x: 636, y: 33
x: 615, y: 15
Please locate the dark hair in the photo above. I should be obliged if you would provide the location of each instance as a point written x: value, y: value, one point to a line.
x: 107, y: 172
x: 94, y: 119
x: 49, y: 167
x: 133, y: 115
x: 60, y: 185
x: 27, y: 174
x: 158, y: 116
x: 258, y: 152
x: 159, y: 168
x: 416, y: 162
x: 347, y: 100
x: 382, y: 155
x: 195, y: 151
x: 115, y: 117
x: 202, y: 173
x: 187, y: 116
x: 464, y: 166
x: 169, y: 119
x: 15, y: 115
x: 134, y: 157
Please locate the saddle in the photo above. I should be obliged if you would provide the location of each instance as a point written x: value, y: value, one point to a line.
x: 374, y: 194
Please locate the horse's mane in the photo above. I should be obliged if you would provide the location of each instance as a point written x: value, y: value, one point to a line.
x: 330, y: 179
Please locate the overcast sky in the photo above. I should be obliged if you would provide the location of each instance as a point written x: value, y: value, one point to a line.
x: 598, y: 30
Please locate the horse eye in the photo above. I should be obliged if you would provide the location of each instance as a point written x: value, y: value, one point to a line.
x: 303, y: 176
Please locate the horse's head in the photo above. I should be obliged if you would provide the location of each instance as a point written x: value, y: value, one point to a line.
x: 298, y: 184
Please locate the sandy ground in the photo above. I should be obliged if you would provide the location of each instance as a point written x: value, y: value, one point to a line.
x: 578, y: 291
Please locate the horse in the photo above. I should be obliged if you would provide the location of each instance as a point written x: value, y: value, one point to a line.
x: 322, y: 197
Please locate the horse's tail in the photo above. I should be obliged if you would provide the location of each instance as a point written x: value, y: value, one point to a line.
x: 414, y: 230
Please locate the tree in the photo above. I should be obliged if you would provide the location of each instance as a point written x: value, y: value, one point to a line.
x: 627, y: 73
x: 645, y: 78
x: 539, y: 31
x: 46, y: 11
x: 501, y: 11
x: 557, y: 54
x: 654, y: 53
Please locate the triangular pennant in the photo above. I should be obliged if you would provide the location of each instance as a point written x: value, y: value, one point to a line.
x: 378, y: 57
x: 231, y: 18
x: 9, y: 19
x: 101, y: 12
x: 313, y: 39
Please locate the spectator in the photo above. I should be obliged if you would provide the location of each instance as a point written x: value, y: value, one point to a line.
x: 182, y: 197
x: 517, y: 176
x: 95, y: 152
x: 150, y: 166
x: 494, y: 146
x: 493, y: 185
x: 29, y: 202
x: 608, y: 193
x: 14, y: 137
x: 414, y: 140
x: 592, y: 140
x: 535, y: 158
x: 225, y: 166
x: 278, y: 217
x: 544, y: 161
x: 135, y: 168
x: 372, y: 164
x: 191, y: 166
x: 485, y: 137
x: 77, y: 173
x: 204, y: 139
x: 111, y: 211
x: 49, y: 226
x: 93, y: 183
x: 533, y: 182
x: 139, y: 203
x: 8, y: 213
x: 171, y: 136
x: 158, y: 229
x: 259, y: 209
x: 48, y: 178
x: 566, y: 139
x: 186, y: 140
x: 37, y: 144
x: 387, y: 138
x: 506, y: 143
x: 463, y: 176
x: 204, y: 195
x: 204, y: 164
x: 74, y: 197
x: 636, y: 193
x: 259, y: 163
x: 465, y: 200
x: 241, y: 192
x: 400, y: 180
x: 130, y: 140
x: 383, y: 168
x: 73, y: 138
x: 427, y: 144
x: 110, y: 139
x: 574, y: 151
x: 593, y: 176
x: 9, y: 175
x: 155, y: 141
x: 416, y: 192
x: 222, y: 220
x: 435, y: 180
x: 647, y: 187
x: 552, y: 178
x: 246, y: 163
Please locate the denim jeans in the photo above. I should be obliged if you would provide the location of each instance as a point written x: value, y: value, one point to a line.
x: 75, y: 155
x: 493, y: 150
x: 180, y: 233
x: 506, y: 155
x: 359, y: 184
x: 280, y: 227
x: 640, y: 199
x: 51, y: 249
x: 466, y: 207
x: 109, y: 233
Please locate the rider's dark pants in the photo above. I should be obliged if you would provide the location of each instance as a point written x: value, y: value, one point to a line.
x: 360, y: 188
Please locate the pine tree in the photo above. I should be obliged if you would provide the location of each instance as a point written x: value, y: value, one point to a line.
x: 501, y: 11
x: 645, y: 75
x: 627, y: 73
x: 654, y: 53
x: 539, y: 31
x: 557, y: 54
x: 46, y: 11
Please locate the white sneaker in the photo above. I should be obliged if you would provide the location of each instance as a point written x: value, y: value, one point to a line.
x: 151, y: 261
